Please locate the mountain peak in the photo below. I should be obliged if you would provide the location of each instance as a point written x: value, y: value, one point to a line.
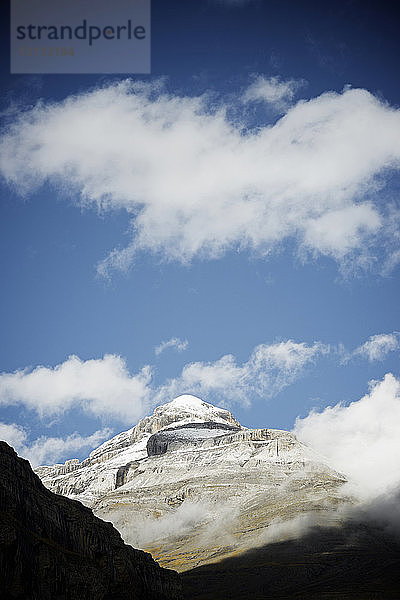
x: 188, y: 408
x: 180, y: 411
x: 187, y: 401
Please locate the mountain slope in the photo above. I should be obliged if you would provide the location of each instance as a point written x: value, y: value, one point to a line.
x: 356, y: 561
x: 97, y: 475
x: 192, y: 485
x: 55, y: 548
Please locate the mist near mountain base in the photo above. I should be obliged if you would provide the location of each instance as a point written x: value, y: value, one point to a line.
x: 191, y: 517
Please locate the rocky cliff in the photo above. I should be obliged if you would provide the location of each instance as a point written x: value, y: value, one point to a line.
x: 54, y: 548
x: 98, y: 474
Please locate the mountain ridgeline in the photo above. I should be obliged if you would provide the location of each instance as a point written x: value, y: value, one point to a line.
x: 241, y: 513
x: 191, y: 485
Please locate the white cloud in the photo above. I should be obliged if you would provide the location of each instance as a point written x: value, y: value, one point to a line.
x: 13, y: 434
x: 338, y: 232
x: 269, y: 369
x: 173, y: 342
x: 363, y: 439
x: 273, y: 91
x: 378, y: 346
x: 48, y: 449
x: 105, y: 388
x: 196, y: 184
x: 101, y: 387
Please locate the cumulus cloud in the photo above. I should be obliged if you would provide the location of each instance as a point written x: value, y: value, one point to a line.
x: 48, y: 449
x: 269, y: 369
x: 105, y: 388
x: 196, y: 184
x: 361, y: 440
x: 101, y: 387
x: 273, y: 91
x: 173, y: 342
x: 378, y: 346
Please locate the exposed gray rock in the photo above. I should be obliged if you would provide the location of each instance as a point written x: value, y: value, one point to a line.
x: 122, y: 473
x: 189, y: 434
x: 196, y: 486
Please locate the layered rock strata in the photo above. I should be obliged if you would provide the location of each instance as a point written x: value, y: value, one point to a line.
x: 191, y: 485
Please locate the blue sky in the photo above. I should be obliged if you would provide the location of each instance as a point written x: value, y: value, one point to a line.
x: 237, y: 209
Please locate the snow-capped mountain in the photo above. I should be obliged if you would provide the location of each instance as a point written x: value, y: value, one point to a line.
x: 190, y: 484
x: 98, y: 474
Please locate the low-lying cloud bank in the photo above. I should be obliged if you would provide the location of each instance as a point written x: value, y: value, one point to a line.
x: 48, y: 449
x: 197, y: 184
x: 206, y: 521
x: 361, y: 440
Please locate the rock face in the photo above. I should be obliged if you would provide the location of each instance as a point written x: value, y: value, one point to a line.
x: 190, y: 435
x: 192, y: 486
x: 98, y: 474
x: 55, y: 548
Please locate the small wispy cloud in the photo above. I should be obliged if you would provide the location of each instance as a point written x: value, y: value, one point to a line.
x: 376, y: 348
x: 173, y: 342
x: 273, y: 91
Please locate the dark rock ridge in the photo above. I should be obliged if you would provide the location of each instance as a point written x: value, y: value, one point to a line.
x: 53, y: 548
x: 191, y: 434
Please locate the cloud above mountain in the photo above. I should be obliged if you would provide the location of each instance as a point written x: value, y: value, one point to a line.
x: 106, y: 389
x: 273, y: 91
x: 269, y: 369
x: 197, y: 184
x: 173, y: 342
x: 100, y: 387
x: 354, y: 437
x: 378, y: 346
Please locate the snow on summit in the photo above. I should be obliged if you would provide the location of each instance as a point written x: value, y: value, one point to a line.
x: 192, y: 408
x: 189, y: 402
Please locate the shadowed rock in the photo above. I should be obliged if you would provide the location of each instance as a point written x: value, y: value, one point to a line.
x: 53, y: 548
x: 354, y: 561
